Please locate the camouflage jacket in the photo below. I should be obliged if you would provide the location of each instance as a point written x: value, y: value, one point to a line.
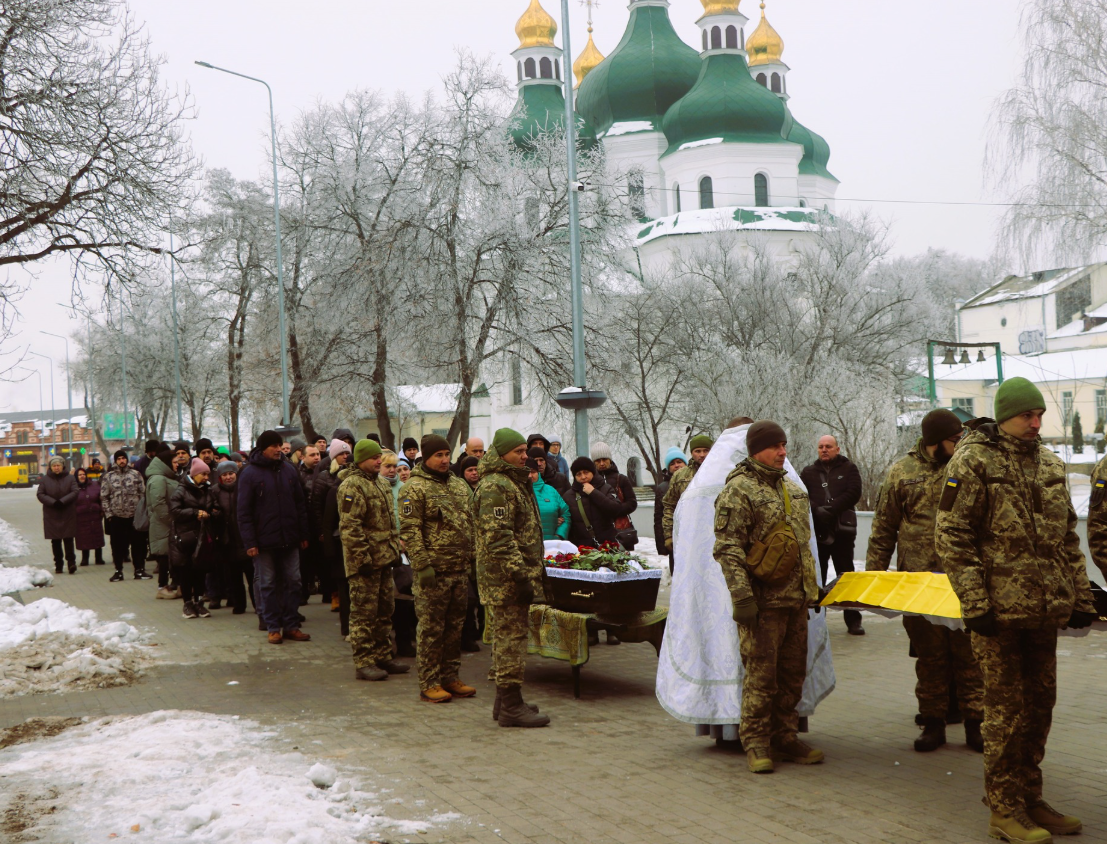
x: 677, y: 485
x: 749, y: 506
x: 509, y: 532
x: 1006, y: 532
x: 1097, y: 516
x: 120, y: 491
x: 905, y: 514
x: 436, y: 521
x: 365, y: 521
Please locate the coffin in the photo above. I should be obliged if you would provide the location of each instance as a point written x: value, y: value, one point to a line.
x: 603, y: 592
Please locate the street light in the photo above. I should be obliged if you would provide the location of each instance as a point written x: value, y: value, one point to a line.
x: 285, y: 421
x: 176, y: 335
x: 41, y: 412
x: 68, y: 387
x: 88, y: 382
x: 53, y: 412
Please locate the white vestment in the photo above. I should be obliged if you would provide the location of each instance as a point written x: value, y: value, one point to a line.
x: 699, y: 674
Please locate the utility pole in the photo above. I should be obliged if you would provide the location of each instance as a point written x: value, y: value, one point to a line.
x: 123, y: 347
x: 68, y: 388
x: 176, y: 336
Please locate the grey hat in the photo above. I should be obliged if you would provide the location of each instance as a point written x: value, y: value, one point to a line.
x: 601, y: 451
x: 225, y: 467
x: 298, y: 444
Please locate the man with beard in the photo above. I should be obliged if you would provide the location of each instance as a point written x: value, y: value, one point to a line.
x: 905, y: 515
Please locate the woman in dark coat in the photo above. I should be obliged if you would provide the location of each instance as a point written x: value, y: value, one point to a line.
x: 231, y: 560
x: 600, y: 505
x: 191, y: 541
x: 90, y: 519
x: 58, y: 493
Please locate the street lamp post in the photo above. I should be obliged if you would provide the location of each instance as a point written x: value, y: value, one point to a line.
x: 88, y: 384
x: 285, y: 421
x: 68, y: 387
x: 176, y: 337
x: 53, y: 411
x: 41, y: 412
x: 123, y: 350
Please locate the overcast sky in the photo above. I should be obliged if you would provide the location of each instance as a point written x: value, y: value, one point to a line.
x: 901, y: 91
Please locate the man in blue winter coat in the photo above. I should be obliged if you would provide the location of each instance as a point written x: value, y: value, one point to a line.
x: 272, y: 519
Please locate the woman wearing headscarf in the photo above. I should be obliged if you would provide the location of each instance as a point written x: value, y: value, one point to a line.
x: 58, y: 493
x: 192, y: 544
x: 90, y: 519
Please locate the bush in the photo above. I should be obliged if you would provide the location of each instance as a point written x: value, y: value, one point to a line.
x: 1077, y: 434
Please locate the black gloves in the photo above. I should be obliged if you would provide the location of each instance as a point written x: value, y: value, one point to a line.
x: 983, y: 625
x: 823, y: 514
x: 525, y: 591
x: 59, y: 504
x: 745, y: 612
x: 1079, y: 620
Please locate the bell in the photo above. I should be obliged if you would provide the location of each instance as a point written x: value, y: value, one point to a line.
x: 980, y: 356
x: 964, y: 356
x: 948, y: 360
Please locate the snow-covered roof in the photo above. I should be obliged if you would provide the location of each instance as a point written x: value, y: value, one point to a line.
x: 1076, y: 327
x: 78, y: 415
x: 630, y: 126
x: 1076, y: 365
x: 430, y: 398
x: 730, y: 219
x: 1028, y: 286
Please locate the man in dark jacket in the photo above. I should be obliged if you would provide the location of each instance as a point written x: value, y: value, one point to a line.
x: 151, y: 451
x: 834, y: 485
x: 608, y: 472
x: 549, y: 474
x: 272, y: 521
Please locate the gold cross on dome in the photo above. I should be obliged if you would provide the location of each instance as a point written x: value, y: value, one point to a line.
x: 590, y: 4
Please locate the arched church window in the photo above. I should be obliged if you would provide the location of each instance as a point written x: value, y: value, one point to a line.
x: 676, y: 197
x: 761, y: 190
x: 520, y: 71
x: 707, y: 193
x: 546, y: 68
x: 557, y: 68
x: 636, y: 193
x: 529, y: 69
x: 776, y: 83
x: 705, y: 39
x: 762, y: 80
x: 732, y: 37
x: 716, y: 38
x: 803, y: 203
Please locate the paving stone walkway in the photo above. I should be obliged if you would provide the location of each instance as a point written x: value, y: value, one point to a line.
x: 612, y: 767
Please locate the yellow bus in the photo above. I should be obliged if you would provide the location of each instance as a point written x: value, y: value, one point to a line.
x: 14, y: 476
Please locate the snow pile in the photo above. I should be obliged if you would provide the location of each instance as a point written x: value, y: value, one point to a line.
x: 21, y: 578
x: 188, y: 777
x: 12, y: 544
x: 50, y: 646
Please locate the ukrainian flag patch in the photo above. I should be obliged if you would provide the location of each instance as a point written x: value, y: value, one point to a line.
x: 949, y: 494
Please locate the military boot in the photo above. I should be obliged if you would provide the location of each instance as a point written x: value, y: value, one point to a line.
x: 1017, y: 828
x: 499, y: 701
x: 515, y: 713
x: 435, y: 694
x: 1053, y: 821
x: 393, y: 667
x: 759, y: 760
x: 800, y: 752
x: 973, y: 738
x: 459, y: 689
x: 371, y: 673
x: 933, y: 736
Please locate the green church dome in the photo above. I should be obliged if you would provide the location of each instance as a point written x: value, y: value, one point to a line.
x: 650, y: 70
x: 816, y: 151
x: 539, y: 109
x: 727, y: 103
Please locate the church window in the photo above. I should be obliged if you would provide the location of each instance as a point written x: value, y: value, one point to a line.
x: 732, y: 37
x: 716, y: 38
x: 676, y: 198
x: 557, y: 68
x: 707, y: 193
x: 520, y: 68
x: 761, y: 190
x: 762, y: 80
x: 705, y: 39
x: 776, y: 83
x: 529, y: 69
x: 516, y: 381
x: 803, y: 203
x: 546, y: 68
x: 636, y: 193
x: 532, y: 212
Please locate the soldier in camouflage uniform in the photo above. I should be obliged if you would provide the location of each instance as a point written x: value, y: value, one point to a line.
x: 510, y: 567
x: 771, y: 617
x: 700, y: 446
x: 371, y: 545
x: 904, y: 520
x: 1006, y: 536
x: 1097, y: 516
x: 436, y: 526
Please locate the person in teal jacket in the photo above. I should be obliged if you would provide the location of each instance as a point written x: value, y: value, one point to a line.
x: 552, y: 509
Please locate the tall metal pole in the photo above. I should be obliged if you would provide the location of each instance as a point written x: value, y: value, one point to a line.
x: 123, y: 347
x: 579, y: 373
x: 53, y: 409
x: 91, y: 395
x: 68, y: 388
x: 41, y: 412
x: 176, y: 337
x: 285, y: 421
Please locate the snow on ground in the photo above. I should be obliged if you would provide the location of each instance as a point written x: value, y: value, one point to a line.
x: 12, y: 543
x: 21, y: 578
x: 189, y: 777
x: 1069, y: 455
x: 49, y: 646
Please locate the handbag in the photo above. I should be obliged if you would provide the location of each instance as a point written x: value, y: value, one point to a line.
x: 772, y: 559
x: 587, y: 523
x: 203, y: 555
x: 142, y: 517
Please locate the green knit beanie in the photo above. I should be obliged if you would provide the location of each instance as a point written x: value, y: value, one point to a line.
x: 506, y: 440
x: 1015, y: 396
x: 366, y: 449
x: 700, y: 441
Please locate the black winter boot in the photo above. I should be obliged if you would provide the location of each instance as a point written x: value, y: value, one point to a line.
x: 933, y: 735
x: 973, y: 738
x: 515, y: 713
x: 117, y: 576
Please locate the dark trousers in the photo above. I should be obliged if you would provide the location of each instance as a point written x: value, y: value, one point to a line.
x: 470, y: 631
x: 163, y: 571
x: 239, y: 574
x: 99, y: 556
x: 126, y: 540
x: 841, y: 552
x: 337, y: 582
x: 191, y: 582
x: 310, y: 575
x: 70, y: 554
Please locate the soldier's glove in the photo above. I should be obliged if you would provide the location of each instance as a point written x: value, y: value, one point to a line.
x: 745, y: 612
x: 426, y: 578
x: 1079, y: 620
x: 983, y: 625
x: 524, y: 589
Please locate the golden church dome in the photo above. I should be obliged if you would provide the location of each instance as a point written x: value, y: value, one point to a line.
x: 764, y: 45
x: 588, y: 60
x: 720, y: 7
x: 536, y: 28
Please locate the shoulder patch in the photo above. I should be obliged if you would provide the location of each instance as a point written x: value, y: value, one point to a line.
x: 406, y: 509
x: 499, y: 512
x: 949, y: 494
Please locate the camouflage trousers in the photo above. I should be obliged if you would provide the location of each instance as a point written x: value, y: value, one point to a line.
x: 943, y: 654
x: 774, y: 656
x: 371, y: 605
x: 1020, y: 688
x: 441, y: 614
x: 509, y: 626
